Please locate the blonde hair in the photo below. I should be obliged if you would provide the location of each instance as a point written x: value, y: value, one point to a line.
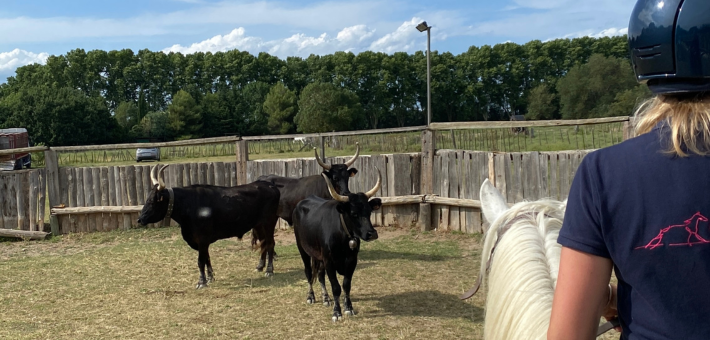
x: 688, y: 117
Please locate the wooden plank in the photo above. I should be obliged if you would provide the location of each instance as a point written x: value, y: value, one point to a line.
x: 41, y: 198
x: 23, y: 234
x: 454, y: 175
x: 340, y: 133
x: 519, y: 170
x: 219, y: 171
x: 24, y: 150
x: 416, y: 174
x: 564, y: 175
x: 33, y: 192
x: 202, y: 173
x: 210, y: 173
x: 543, y: 162
x: 80, y: 223
x: 427, y: 162
x: 106, y: 219
x: 52, y: 165
x: 131, y: 185
x: 190, y: 142
x: 242, y: 158
x: 510, y: 176
x: 96, y: 187
x: 147, y: 183
x: 534, y: 178
x: 554, y: 178
x: 444, y: 192
x: 125, y: 218
x: 4, y: 195
x: 500, y: 182
x: 520, y: 124
x: 194, y: 174
x: 186, y: 177
x: 20, y: 199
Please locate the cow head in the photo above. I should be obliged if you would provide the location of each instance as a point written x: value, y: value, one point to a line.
x: 156, y: 204
x: 339, y: 174
x: 357, y: 208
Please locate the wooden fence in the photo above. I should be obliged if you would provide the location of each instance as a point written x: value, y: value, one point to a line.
x: 22, y: 200
x: 434, y: 188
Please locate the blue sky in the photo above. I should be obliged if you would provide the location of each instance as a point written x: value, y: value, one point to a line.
x: 32, y: 30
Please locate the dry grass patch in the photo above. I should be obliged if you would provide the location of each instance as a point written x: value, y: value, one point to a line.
x: 139, y: 284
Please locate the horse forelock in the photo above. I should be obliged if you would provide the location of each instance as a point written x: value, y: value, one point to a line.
x: 523, y: 270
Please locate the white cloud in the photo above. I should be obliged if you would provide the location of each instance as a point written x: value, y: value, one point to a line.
x: 354, y: 38
x: 403, y: 39
x: 9, y: 61
x: 234, y: 40
x: 319, y: 16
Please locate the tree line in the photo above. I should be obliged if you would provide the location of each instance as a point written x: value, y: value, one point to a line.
x: 118, y: 96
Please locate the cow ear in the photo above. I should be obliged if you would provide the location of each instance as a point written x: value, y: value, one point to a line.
x: 375, y: 203
x: 352, y: 172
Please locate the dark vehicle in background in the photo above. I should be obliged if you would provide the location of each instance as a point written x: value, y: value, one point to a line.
x: 144, y: 154
x: 14, y: 139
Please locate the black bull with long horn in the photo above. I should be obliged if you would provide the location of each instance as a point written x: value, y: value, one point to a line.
x: 294, y: 190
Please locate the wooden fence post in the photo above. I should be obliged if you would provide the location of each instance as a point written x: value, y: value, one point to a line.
x: 322, y: 148
x: 242, y: 148
x: 427, y: 177
x: 628, y: 130
x: 52, y: 166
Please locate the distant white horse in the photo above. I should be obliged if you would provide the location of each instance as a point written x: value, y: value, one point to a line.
x: 521, y: 258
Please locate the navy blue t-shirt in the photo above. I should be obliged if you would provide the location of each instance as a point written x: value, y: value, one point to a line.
x: 648, y: 212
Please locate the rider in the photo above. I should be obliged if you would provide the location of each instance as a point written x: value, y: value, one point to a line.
x: 642, y: 206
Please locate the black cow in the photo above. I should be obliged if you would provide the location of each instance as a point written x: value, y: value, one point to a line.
x: 209, y: 213
x: 327, y: 236
x: 293, y: 190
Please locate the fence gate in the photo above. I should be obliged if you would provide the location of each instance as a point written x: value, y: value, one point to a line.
x: 22, y: 199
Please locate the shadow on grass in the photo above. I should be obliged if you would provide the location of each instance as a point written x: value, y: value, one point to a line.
x: 378, y: 254
x: 428, y: 303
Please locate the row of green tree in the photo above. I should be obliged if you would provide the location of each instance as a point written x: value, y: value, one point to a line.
x: 103, y: 97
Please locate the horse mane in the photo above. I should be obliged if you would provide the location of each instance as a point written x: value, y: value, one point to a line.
x: 523, y: 270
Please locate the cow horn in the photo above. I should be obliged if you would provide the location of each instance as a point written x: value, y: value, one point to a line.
x: 335, y: 195
x: 161, y: 178
x: 323, y: 165
x: 153, y: 175
x: 377, y: 185
x: 357, y: 153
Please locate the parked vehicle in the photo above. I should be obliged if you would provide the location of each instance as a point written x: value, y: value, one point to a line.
x: 14, y: 139
x: 143, y: 154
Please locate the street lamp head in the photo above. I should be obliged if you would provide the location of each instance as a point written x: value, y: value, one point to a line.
x: 423, y: 26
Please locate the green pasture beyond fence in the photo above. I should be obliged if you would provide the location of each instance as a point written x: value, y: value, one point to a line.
x: 552, y: 138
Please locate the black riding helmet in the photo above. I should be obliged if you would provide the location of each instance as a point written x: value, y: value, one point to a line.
x: 670, y: 45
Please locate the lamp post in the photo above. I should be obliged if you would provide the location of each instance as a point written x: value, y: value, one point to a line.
x: 424, y: 27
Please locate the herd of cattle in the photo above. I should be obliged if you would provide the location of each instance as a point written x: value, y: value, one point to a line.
x: 328, y: 220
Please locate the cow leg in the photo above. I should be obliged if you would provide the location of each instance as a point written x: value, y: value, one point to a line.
x: 308, y: 270
x: 202, y: 260
x: 210, y: 272
x: 321, y: 279
x: 347, y: 280
x: 270, y: 265
x: 262, y: 262
x: 335, y: 287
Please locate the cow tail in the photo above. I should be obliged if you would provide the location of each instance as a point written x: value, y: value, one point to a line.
x: 254, y: 239
x: 315, y: 268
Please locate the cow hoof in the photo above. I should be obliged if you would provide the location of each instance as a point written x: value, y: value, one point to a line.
x: 310, y: 301
x: 350, y: 312
x: 335, y: 318
x: 269, y: 274
x: 210, y: 279
x: 201, y: 285
x: 259, y: 269
x: 326, y: 303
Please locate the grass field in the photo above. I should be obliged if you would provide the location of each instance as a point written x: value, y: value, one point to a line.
x: 139, y: 284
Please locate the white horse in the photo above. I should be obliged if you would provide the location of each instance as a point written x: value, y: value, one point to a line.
x: 521, y: 258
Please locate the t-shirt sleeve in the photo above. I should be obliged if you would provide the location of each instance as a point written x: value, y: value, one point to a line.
x: 581, y: 228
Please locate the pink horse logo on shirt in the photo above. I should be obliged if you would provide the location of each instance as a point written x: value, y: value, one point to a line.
x: 689, y: 228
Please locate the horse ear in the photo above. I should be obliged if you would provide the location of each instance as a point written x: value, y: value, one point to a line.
x: 492, y: 202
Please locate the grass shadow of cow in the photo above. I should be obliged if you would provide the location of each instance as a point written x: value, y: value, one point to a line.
x: 379, y: 254
x: 426, y: 303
